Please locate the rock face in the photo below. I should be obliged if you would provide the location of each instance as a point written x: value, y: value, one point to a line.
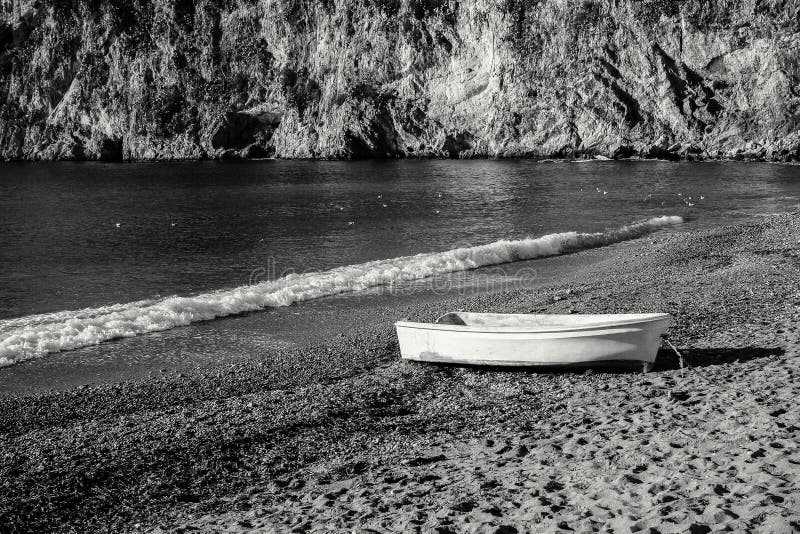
x: 176, y: 79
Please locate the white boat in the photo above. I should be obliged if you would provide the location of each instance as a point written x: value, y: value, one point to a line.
x: 535, y: 340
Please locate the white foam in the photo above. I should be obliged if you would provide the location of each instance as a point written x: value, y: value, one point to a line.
x: 33, y: 336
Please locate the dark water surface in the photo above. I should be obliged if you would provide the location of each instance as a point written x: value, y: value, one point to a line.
x: 191, y: 227
x: 76, y: 235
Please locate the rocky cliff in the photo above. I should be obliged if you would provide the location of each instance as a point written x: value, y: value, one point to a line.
x: 167, y: 79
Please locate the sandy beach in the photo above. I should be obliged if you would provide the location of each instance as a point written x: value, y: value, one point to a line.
x: 342, y: 436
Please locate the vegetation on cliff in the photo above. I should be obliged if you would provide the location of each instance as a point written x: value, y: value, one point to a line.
x: 166, y: 79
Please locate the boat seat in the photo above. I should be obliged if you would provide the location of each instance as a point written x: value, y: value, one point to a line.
x: 451, y: 318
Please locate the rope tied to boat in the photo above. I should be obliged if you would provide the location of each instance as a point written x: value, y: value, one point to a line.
x: 680, y: 356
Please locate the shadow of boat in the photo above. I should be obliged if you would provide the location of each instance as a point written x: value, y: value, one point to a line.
x: 666, y: 360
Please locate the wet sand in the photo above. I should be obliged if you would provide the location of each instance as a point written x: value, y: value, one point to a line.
x: 340, y: 435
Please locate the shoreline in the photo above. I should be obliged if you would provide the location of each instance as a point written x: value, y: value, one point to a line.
x: 105, y: 363
x: 587, y: 157
x: 342, y: 433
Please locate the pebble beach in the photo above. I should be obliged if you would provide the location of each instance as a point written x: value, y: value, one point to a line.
x: 343, y: 436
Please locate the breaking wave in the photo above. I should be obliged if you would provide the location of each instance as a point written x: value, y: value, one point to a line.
x: 29, y: 337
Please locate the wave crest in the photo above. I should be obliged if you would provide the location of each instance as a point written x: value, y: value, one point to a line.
x: 33, y: 336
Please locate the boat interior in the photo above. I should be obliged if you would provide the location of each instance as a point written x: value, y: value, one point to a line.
x: 520, y: 320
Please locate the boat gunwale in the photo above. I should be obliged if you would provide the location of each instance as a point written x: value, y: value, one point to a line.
x: 486, y: 329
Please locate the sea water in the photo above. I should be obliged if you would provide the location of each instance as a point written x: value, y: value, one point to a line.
x: 96, y: 252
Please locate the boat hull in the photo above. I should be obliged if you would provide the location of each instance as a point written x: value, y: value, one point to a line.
x: 635, y: 342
